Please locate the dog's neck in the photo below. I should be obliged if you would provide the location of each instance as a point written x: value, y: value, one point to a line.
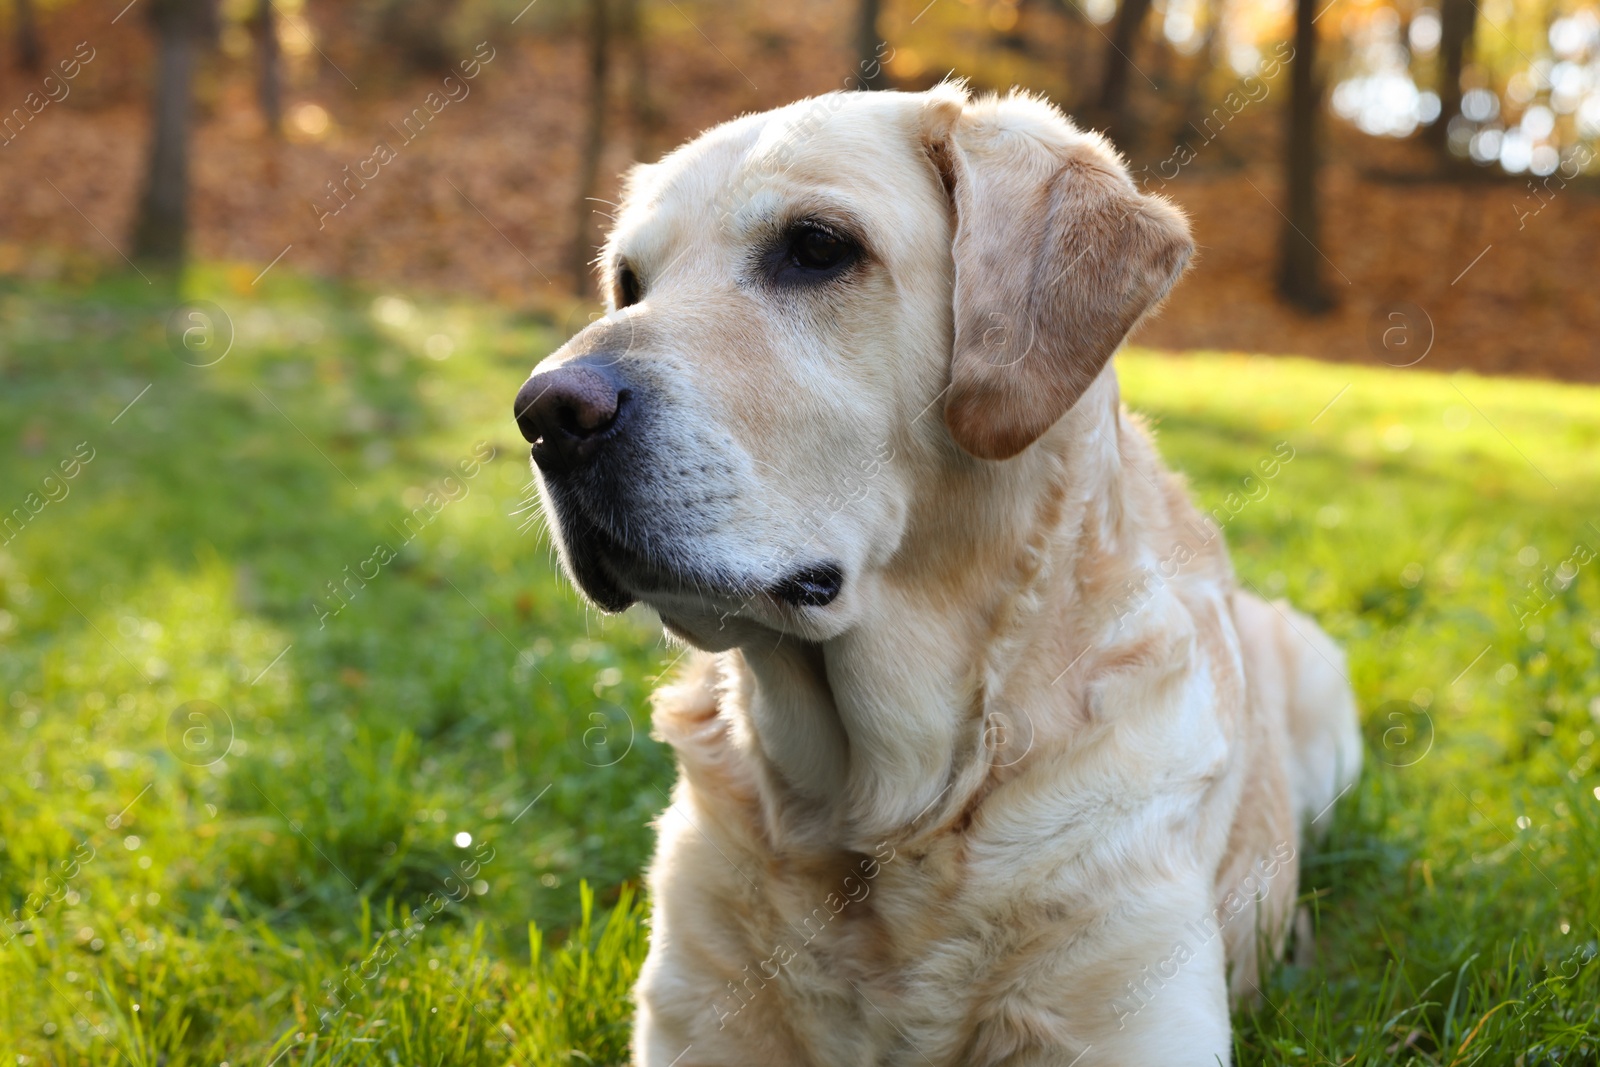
x: 892, y: 727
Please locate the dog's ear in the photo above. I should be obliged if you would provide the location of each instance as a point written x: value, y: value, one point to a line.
x: 1057, y: 256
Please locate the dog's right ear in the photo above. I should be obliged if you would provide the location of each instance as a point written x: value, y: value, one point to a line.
x: 1057, y: 256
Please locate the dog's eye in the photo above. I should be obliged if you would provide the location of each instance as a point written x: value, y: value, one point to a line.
x: 629, y: 291
x: 816, y: 249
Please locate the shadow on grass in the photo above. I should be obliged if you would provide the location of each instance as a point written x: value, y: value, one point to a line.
x: 312, y: 532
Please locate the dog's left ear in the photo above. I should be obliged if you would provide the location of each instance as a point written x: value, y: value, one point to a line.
x: 1057, y: 256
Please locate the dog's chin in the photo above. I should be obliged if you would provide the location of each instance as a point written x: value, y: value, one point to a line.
x: 590, y: 574
x: 808, y: 604
x: 710, y: 609
x: 585, y: 549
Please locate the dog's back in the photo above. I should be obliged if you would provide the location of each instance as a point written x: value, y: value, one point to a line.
x: 1305, y: 750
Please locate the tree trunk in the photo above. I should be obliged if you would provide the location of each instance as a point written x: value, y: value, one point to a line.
x: 415, y: 32
x: 643, y: 119
x: 161, y: 231
x: 1113, y: 106
x: 1078, y: 57
x: 1194, y: 97
x: 1457, y: 20
x: 586, y: 238
x: 1299, y: 278
x: 869, y: 72
x: 269, y: 73
x: 29, y: 51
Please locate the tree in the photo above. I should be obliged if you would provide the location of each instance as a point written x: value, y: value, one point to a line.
x: 585, y: 239
x: 1083, y: 40
x: 183, y: 28
x: 269, y: 72
x: 1194, y: 97
x: 1299, y: 277
x: 1457, y: 21
x: 644, y: 119
x: 1113, y: 104
x: 417, y: 33
x: 29, y: 52
x: 869, y: 72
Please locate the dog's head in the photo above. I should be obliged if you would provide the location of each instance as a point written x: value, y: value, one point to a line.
x: 819, y: 317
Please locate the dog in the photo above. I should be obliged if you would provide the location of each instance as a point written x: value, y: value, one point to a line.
x: 984, y: 757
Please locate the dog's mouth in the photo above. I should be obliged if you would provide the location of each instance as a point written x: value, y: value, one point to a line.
x: 615, y: 573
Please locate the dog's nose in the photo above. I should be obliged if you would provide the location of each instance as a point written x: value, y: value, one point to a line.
x: 565, y: 413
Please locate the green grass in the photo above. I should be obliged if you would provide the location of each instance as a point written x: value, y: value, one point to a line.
x: 295, y: 896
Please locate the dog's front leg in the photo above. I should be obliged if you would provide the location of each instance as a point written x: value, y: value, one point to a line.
x: 1171, y: 1013
x: 1158, y: 1002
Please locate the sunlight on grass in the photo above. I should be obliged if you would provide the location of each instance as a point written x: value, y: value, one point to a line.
x: 268, y: 795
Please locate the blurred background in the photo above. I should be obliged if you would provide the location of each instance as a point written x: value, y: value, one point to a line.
x: 1418, y: 136
x: 312, y: 756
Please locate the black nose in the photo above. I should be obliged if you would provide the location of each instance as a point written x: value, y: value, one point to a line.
x: 565, y: 413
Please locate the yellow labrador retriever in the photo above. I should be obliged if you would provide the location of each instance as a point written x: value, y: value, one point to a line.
x: 985, y: 758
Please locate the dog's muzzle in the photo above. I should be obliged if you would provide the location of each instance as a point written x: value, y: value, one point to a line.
x: 595, y: 436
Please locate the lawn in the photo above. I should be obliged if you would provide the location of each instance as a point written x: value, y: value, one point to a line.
x: 314, y: 758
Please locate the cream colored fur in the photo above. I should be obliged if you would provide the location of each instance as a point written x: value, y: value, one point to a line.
x: 1032, y: 789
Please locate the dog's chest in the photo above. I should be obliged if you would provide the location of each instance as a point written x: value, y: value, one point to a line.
x: 903, y: 956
